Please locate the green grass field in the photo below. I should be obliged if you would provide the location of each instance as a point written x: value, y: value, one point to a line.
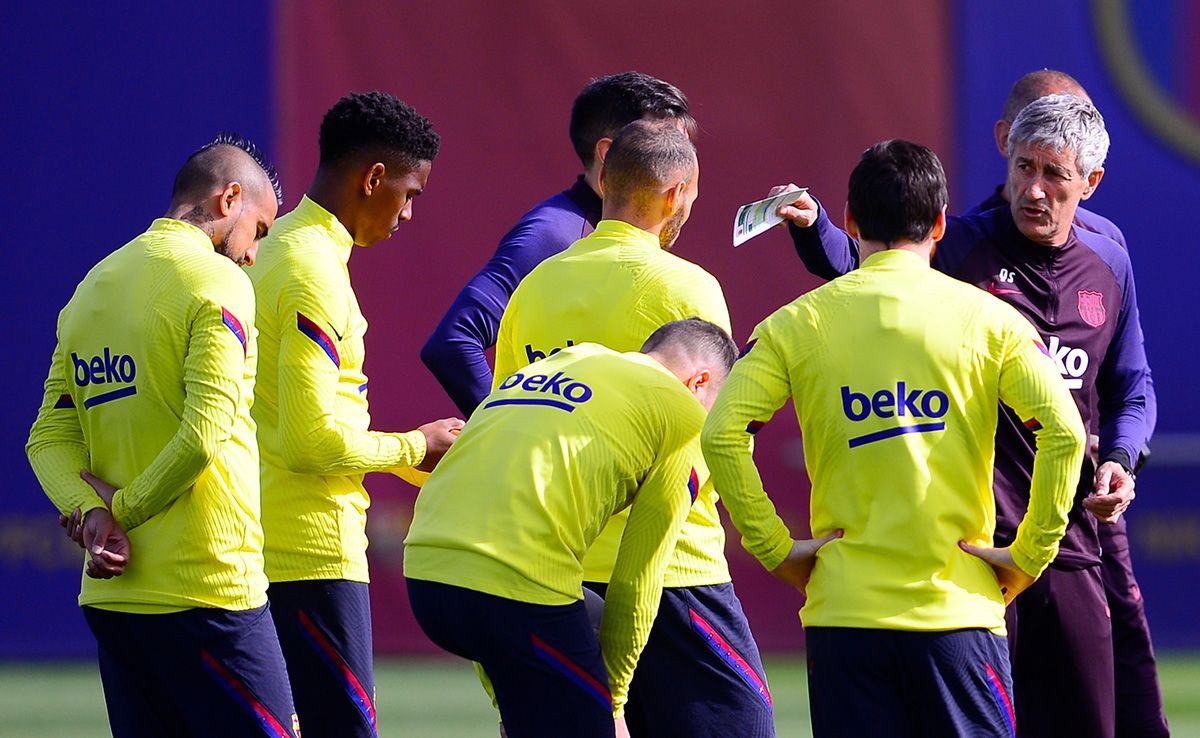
x: 441, y: 699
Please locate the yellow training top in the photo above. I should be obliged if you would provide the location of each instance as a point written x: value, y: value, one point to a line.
x: 311, y: 403
x: 150, y: 388
x: 615, y: 287
x: 896, y: 371
x: 545, y: 462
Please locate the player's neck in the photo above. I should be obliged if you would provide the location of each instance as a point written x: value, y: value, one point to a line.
x: 923, y: 249
x: 636, y: 216
x: 330, y: 192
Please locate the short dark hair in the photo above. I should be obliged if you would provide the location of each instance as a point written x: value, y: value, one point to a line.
x: 896, y: 192
x: 608, y: 104
x: 376, y: 124
x: 205, y: 166
x: 645, y: 156
x: 697, y: 336
x: 1038, y: 83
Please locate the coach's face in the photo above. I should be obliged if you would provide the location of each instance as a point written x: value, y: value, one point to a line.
x: 1044, y: 189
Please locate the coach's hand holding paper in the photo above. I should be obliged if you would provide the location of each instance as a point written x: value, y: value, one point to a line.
x: 802, y: 211
x: 762, y: 215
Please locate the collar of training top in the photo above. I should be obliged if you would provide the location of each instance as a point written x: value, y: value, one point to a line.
x: 313, y: 213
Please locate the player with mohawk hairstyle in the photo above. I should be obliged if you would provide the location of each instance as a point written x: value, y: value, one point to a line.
x: 150, y: 390
x: 311, y: 405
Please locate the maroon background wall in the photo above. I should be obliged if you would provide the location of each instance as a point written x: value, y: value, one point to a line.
x: 788, y: 92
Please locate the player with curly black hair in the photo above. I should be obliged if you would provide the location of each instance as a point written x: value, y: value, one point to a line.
x: 311, y: 405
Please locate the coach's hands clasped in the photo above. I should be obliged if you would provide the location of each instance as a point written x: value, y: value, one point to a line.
x: 798, y: 566
x: 1113, y: 490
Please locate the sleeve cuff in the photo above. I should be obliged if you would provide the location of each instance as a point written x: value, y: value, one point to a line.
x: 1121, y: 456
x: 415, y: 440
x: 774, y: 553
x: 121, y: 513
x: 1031, y: 565
x: 92, y: 504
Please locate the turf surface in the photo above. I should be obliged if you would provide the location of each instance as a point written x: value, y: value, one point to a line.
x: 441, y: 699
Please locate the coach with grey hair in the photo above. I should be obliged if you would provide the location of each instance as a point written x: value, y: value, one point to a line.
x: 1140, y: 712
x: 1076, y: 288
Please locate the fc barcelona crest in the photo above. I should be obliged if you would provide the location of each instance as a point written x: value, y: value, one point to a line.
x: 1091, y: 308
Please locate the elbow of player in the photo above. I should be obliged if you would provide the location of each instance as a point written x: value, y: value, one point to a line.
x: 711, y: 442
x: 200, y: 454
x: 434, y: 352
x: 1077, y: 433
x: 305, y: 455
x: 1067, y: 434
x: 299, y: 459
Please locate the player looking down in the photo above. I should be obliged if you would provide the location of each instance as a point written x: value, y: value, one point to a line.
x: 896, y: 371
x: 311, y: 405
x: 149, y: 390
x: 494, y: 556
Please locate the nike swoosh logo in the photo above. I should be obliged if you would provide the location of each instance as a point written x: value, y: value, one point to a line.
x: 997, y: 291
x: 339, y: 335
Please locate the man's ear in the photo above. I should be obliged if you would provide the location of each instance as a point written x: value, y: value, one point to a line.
x: 372, y: 177
x: 674, y: 196
x: 601, y: 149
x: 851, y: 223
x: 699, y: 380
x: 939, y: 226
x: 229, y: 198
x: 1000, y: 131
x: 1093, y: 181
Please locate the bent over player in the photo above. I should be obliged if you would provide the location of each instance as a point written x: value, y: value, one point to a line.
x: 150, y: 389
x: 311, y: 405
x: 615, y: 287
x: 1076, y: 288
x: 494, y: 557
x: 896, y: 371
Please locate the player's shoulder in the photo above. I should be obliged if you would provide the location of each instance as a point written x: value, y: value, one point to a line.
x: 656, y: 385
x: 222, y: 282
x: 980, y: 313
x: 798, y: 319
x: 678, y: 272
